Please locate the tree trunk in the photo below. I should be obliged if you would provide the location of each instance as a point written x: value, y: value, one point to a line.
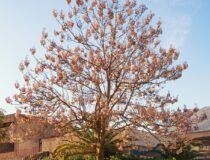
x: 100, y: 145
x: 100, y: 132
x: 100, y: 151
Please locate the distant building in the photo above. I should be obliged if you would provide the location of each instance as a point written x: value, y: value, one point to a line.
x: 201, y: 134
x: 132, y: 139
x: 24, y: 141
x: 15, y: 150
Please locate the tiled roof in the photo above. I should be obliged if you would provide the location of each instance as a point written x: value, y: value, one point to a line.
x: 205, y: 124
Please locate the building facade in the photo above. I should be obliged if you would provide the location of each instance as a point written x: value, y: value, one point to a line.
x: 26, y: 135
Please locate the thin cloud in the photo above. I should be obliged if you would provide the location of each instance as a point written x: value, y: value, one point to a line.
x: 175, y: 3
x: 184, y: 2
x: 176, y: 30
x: 177, y: 23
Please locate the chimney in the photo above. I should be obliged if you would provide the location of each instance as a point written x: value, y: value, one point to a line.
x: 18, y: 112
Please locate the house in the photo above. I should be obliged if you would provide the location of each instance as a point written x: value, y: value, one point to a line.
x: 132, y: 139
x: 26, y: 136
x: 201, y: 134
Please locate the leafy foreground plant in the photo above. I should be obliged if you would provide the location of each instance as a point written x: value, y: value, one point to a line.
x: 121, y: 157
x: 39, y: 156
x: 136, y: 158
x: 182, y: 151
x: 85, y: 146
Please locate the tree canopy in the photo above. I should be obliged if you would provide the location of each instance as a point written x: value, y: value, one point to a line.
x: 103, y: 71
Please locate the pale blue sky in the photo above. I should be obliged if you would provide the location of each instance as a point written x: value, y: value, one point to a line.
x: 186, y: 25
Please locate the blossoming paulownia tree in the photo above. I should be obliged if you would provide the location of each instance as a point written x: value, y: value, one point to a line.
x: 103, y: 72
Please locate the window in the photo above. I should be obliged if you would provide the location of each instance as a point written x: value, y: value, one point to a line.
x: 7, y: 147
x: 196, y: 128
x: 5, y: 125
